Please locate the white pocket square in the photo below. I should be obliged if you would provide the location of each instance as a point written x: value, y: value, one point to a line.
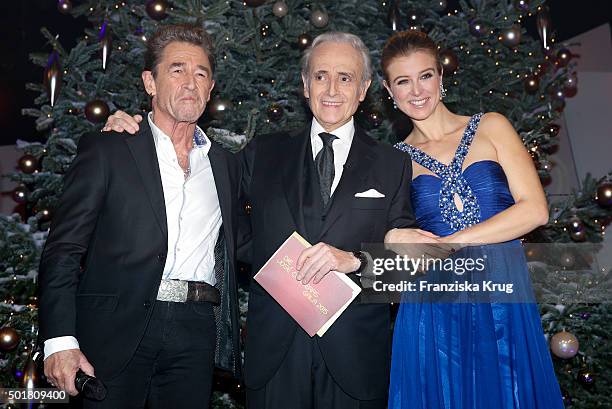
x: 372, y: 193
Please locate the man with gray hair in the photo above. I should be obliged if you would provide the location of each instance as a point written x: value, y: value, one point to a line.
x: 337, y: 188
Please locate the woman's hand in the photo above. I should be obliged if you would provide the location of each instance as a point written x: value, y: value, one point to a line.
x: 410, y: 236
x: 415, y: 243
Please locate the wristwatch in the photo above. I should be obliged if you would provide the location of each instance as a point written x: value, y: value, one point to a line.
x: 363, y: 261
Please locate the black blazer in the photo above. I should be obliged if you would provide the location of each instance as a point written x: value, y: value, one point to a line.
x: 103, y: 260
x: 356, y: 348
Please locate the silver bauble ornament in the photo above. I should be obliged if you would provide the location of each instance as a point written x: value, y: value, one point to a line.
x: 280, y: 9
x: 511, y: 37
x: 319, y: 18
x: 564, y: 345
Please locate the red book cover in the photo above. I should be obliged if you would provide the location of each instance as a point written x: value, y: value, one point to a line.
x: 314, y: 306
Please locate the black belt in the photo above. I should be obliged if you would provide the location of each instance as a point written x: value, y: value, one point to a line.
x: 199, y: 291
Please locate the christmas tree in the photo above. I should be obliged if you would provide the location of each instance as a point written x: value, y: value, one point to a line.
x: 491, y: 63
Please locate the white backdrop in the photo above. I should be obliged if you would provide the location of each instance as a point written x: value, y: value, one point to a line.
x: 586, y: 135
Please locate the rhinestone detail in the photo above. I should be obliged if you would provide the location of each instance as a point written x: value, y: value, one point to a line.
x: 453, y: 181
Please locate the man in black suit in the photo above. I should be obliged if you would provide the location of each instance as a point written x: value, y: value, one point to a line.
x: 338, y: 188
x: 137, y: 278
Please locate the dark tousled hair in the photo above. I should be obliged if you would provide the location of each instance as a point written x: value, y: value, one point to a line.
x: 185, y: 33
x: 404, y: 43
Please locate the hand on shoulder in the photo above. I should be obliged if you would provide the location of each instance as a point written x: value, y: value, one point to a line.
x: 122, y: 122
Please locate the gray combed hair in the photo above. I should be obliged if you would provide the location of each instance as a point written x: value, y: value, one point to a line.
x: 339, y: 37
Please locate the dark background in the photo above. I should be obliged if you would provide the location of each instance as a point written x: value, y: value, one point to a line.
x: 21, y: 20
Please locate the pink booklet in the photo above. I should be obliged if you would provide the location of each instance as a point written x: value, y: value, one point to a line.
x: 314, y: 306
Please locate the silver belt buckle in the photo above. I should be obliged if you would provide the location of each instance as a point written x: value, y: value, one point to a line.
x: 173, y: 291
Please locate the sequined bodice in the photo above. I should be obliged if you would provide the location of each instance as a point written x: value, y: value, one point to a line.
x: 482, y: 188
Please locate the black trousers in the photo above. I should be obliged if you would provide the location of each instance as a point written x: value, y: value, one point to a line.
x: 173, y: 364
x: 303, y: 382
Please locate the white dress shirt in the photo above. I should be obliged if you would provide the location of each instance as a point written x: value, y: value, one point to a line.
x: 193, y: 217
x: 192, y: 210
x: 341, y: 146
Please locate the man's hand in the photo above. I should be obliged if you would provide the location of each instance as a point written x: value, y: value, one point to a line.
x: 122, y: 122
x: 61, y: 368
x: 315, y: 262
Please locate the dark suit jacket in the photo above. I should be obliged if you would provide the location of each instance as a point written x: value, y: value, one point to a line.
x: 103, y: 260
x: 356, y: 347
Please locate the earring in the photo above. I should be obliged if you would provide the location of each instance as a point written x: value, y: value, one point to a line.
x: 393, y: 99
x: 442, y: 90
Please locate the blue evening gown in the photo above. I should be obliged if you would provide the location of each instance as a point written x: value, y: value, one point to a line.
x: 469, y: 355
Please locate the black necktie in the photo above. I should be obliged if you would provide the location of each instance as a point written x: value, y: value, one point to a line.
x: 325, y: 165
